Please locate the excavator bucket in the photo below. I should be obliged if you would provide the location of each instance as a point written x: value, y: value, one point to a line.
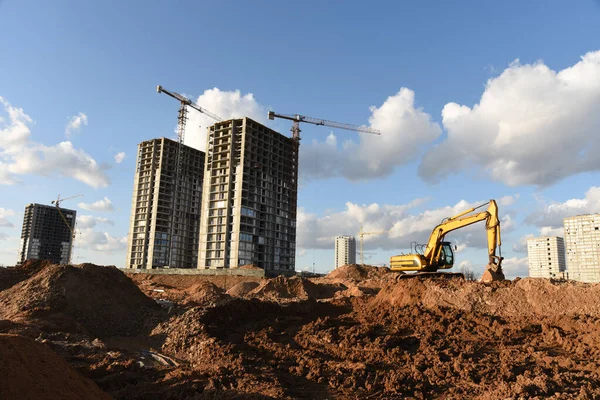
x: 492, y: 274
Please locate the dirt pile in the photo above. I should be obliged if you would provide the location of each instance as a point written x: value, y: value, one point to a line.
x: 294, y: 288
x: 357, y: 333
x: 13, y: 275
x: 527, y: 297
x: 204, y: 293
x: 30, y: 370
x: 242, y: 289
x: 358, y: 272
x: 87, y: 298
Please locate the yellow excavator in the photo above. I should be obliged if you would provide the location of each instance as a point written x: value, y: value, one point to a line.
x: 438, y: 254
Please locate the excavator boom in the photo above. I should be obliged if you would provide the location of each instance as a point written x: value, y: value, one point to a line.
x: 438, y: 253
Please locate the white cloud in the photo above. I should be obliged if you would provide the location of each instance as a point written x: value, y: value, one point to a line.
x: 532, y: 125
x: 521, y: 245
x: 402, y: 227
x: 88, y: 239
x: 19, y: 155
x: 506, y: 201
x: 404, y: 129
x: 88, y: 221
x: 4, y: 213
x: 514, y: 266
x: 226, y: 105
x: 119, y: 157
x: 3, y: 236
x: 101, y: 205
x: 549, y: 231
x: 75, y: 123
x: 552, y: 215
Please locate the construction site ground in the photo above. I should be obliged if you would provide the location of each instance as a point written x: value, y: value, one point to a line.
x: 93, y: 332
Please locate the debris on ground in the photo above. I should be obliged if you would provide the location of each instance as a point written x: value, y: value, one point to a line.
x: 356, y: 333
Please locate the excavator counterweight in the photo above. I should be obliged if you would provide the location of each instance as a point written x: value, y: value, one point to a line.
x: 438, y: 254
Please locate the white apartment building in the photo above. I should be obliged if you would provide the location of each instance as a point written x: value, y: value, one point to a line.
x: 582, y: 237
x: 546, y: 256
x: 345, y: 250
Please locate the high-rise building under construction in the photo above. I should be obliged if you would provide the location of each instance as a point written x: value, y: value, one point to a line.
x: 46, y: 235
x: 249, y: 198
x: 165, y: 211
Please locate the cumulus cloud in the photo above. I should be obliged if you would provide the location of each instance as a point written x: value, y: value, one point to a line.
x: 551, y: 215
x: 3, y: 236
x: 101, y: 205
x: 75, y: 123
x: 226, y: 105
x: 405, y: 130
x: 514, y: 266
x: 400, y: 224
x: 4, y: 213
x: 119, y: 157
x: 521, y: 245
x: 88, y: 239
x: 532, y: 126
x: 88, y: 221
x: 19, y: 155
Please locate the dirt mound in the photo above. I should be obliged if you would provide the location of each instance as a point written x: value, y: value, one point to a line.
x: 294, y: 288
x: 242, y: 289
x: 13, y: 275
x: 358, y: 272
x: 204, y: 293
x: 30, y: 370
x: 250, y: 266
x: 524, y: 298
x: 87, y: 298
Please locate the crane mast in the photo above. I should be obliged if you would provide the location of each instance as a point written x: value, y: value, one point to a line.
x: 57, y: 204
x: 362, y: 234
x: 184, y: 102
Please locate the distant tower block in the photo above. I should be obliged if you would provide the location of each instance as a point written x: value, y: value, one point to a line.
x: 582, y: 242
x: 546, y: 257
x: 45, y: 236
x: 345, y: 250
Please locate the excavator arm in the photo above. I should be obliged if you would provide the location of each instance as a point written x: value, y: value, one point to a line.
x: 434, y: 245
x: 438, y: 253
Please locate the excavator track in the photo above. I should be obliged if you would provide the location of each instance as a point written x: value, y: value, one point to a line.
x: 431, y: 275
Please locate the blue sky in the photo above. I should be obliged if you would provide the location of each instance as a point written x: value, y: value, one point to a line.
x: 527, y: 137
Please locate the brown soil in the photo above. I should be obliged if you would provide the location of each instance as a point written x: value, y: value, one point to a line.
x: 356, y: 333
x: 87, y: 298
x: 30, y: 370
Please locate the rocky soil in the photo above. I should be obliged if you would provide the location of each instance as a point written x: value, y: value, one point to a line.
x: 358, y: 333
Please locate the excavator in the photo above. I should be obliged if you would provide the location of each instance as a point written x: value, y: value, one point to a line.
x: 438, y: 254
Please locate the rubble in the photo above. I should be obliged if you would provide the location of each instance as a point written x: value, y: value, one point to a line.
x: 355, y: 333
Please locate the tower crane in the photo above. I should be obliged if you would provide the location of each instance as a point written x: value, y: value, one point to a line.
x: 181, y: 122
x: 362, y: 234
x: 71, y: 228
x: 297, y: 118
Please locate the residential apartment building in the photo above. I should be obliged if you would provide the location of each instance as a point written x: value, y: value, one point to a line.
x: 46, y: 235
x: 165, y: 206
x: 546, y: 257
x: 582, y: 237
x: 345, y: 250
x: 249, y: 198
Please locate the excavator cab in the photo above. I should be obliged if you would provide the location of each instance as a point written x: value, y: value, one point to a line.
x: 447, y: 256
